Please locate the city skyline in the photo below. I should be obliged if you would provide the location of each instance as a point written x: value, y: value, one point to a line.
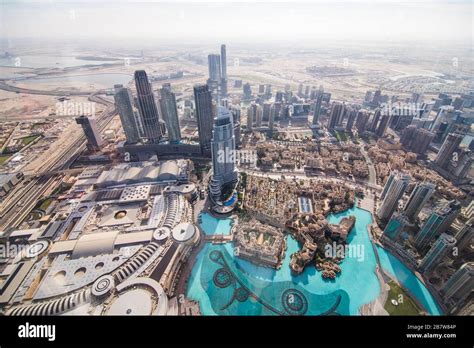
x: 172, y: 165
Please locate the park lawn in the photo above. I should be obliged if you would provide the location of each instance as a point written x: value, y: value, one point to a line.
x: 4, y: 158
x: 340, y: 136
x: 407, y: 307
x: 27, y: 140
x: 45, y: 204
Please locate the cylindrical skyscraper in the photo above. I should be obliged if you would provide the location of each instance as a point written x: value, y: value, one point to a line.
x: 224, y: 172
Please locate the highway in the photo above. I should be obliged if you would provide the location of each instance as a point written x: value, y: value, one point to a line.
x: 21, y: 201
x: 61, y: 93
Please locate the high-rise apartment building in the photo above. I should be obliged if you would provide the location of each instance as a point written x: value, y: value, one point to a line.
x: 438, y: 222
x: 450, y: 145
x: 392, y: 192
x: 418, y: 198
x: 433, y: 257
x: 336, y: 116
x: 317, y: 105
x: 459, y: 286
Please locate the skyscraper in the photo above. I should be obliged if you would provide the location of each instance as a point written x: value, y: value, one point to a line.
x: 335, y: 118
x: 266, y: 112
x: 317, y: 105
x: 439, y: 249
x: 214, y: 65
x: 465, y: 236
x: 300, y: 90
x: 377, y: 97
x: 268, y: 91
x: 306, y: 91
x: 418, y: 199
x: 258, y: 116
x: 459, y: 286
x: 416, y: 139
x: 460, y: 168
x: 362, y: 120
x: 387, y: 184
x: 89, y: 126
x: 127, y: 112
x: 224, y: 172
x: 147, y: 107
x: 368, y: 96
x: 250, y: 118
x: 421, y: 141
x: 446, y: 151
x: 223, y: 71
x: 375, y: 120
x: 392, y: 192
x: 254, y: 115
x: 271, y: 121
x: 351, y: 119
x: 247, y: 90
x: 382, y: 127
x: 438, y: 222
x: 169, y: 112
x: 279, y: 96
x: 203, y: 103
x: 407, y: 136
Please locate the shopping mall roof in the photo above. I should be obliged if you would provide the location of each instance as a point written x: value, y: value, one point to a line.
x: 133, y: 173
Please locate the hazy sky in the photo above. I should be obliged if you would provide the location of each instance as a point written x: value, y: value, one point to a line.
x: 239, y: 21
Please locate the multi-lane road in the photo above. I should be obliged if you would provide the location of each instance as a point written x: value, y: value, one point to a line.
x: 22, y: 200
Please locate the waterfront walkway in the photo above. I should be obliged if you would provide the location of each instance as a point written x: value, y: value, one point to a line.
x: 218, y: 238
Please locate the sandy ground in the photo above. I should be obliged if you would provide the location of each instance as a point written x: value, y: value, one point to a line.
x: 15, y: 106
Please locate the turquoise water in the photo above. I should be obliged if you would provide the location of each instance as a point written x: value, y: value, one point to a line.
x: 355, y: 286
x: 48, y: 61
x: 225, y: 285
x: 102, y: 79
x: 395, y: 268
x: 212, y: 225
